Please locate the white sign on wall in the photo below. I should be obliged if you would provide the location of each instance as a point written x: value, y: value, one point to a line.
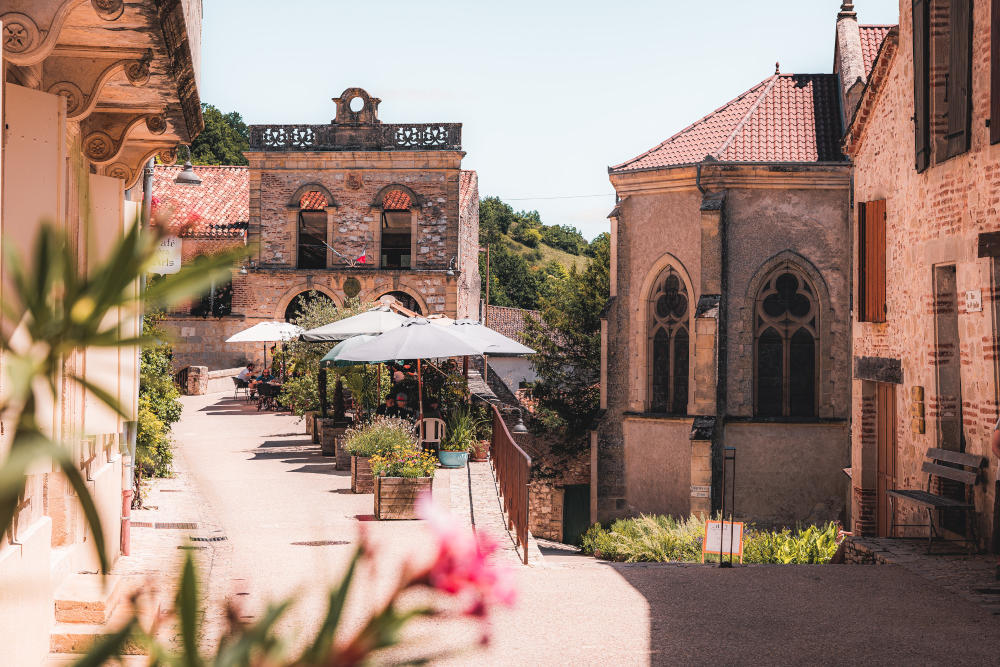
x: 168, y: 256
x: 974, y: 301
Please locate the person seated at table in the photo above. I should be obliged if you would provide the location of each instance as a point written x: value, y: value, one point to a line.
x: 402, y: 411
x: 246, y: 373
x: 432, y: 409
x: 388, y: 408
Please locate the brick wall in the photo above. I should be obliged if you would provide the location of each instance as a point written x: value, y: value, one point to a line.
x: 933, y: 219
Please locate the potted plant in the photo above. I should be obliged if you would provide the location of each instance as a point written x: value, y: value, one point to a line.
x: 381, y: 435
x: 459, y: 437
x: 402, y: 476
x: 480, y: 451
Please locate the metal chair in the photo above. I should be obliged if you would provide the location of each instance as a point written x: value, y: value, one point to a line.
x: 267, y: 396
x: 241, y: 385
x: 430, y: 430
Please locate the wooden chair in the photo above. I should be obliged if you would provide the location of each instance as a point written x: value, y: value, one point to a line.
x: 957, y: 467
x: 429, y: 433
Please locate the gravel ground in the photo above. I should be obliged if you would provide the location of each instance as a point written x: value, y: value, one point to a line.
x: 273, y: 496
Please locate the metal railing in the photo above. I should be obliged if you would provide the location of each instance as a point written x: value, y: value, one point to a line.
x: 513, y: 471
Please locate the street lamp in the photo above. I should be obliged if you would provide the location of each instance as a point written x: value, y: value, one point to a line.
x: 519, y: 427
x: 187, y: 175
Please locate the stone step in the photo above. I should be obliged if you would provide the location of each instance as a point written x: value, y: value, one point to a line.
x: 87, y: 598
x: 76, y: 638
x: 60, y: 659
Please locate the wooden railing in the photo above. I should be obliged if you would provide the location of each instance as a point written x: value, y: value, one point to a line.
x: 513, y: 470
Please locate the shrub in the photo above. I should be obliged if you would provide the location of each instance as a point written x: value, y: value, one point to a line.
x: 300, y: 394
x: 661, y: 539
x: 153, y: 452
x: 461, y: 432
x: 403, y: 462
x: 379, y: 436
x: 159, y: 406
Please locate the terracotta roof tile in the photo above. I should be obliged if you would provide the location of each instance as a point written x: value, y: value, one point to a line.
x: 785, y: 118
x: 871, y: 41
x: 511, y: 322
x: 218, y: 208
x: 396, y: 200
x: 313, y: 201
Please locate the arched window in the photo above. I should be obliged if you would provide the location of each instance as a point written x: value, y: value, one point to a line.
x: 312, y: 230
x: 786, y: 326
x: 669, y: 342
x: 405, y: 300
x: 396, y: 230
x: 303, y: 302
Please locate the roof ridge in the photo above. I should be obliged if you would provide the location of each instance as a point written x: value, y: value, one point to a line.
x: 750, y: 112
x: 677, y: 134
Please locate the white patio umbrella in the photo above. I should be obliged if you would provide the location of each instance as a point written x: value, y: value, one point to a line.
x: 416, y: 339
x: 266, y: 332
x: 500, y: 345
x: 369, y: 323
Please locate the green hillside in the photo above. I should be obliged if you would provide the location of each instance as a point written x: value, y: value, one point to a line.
x: 543, y: 254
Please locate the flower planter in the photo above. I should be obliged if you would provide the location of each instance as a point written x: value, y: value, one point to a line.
x: 343, y: 456
x: 396, y: 497
x: 453, y: 459
x: 310, y: 418
x: 330, y: 431
x: 362, y: 480
x: 480, y: 452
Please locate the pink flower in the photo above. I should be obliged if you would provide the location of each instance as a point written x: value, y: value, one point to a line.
x: 462, y: 564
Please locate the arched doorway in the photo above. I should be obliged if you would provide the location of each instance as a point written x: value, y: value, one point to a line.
x: 405, y: 300
x: 296, y: 307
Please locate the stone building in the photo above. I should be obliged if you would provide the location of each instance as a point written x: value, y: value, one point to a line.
x: 353, y: 208
x: 927, y: 187
x: 91, y: 91
x: 729, y: 317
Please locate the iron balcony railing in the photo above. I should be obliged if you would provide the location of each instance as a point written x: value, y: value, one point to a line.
x: 513, y: 470
x: 334, y: 137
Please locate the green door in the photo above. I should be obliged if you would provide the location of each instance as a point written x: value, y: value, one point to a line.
x: 576, y: 512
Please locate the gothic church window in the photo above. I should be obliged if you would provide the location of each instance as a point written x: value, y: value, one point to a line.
x: 669, y: 341
x: 312, y: 231
x: 786, y: 325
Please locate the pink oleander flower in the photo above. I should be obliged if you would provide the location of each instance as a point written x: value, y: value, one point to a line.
x: 462, y: 564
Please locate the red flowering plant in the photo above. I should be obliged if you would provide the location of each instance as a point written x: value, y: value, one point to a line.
x: 463, y: 578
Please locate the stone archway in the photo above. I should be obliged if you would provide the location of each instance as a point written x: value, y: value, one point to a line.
x: 405, y: 300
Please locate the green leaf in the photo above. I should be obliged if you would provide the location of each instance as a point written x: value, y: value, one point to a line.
x: 111, y: 646
x: 89, y: 510
x: 320, y: 648
x: 187, y: 612
x: 102, y: 395
x: 255, y: 641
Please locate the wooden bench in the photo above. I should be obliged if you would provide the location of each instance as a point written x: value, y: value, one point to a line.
x: 964, y: 469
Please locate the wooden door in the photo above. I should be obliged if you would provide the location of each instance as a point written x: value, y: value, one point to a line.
x: 885, y: 420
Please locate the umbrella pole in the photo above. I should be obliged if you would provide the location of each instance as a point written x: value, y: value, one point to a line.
x: 420, y: 390
x: 465, y: 367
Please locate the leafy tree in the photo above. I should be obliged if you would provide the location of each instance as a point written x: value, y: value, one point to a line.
x: 495, y: 219
x: 564, y: 237
x: 223, y: 140
x: 568, y: 345
x: 599, y: 241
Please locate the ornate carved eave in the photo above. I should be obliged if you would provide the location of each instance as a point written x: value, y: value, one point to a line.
x: 80, y: 73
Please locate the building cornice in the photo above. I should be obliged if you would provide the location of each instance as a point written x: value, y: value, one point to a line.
x: 355, y: 159
x: 719, y: 175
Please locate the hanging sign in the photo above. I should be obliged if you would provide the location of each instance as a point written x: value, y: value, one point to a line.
x: 723, y: 537
x: 168, y: 256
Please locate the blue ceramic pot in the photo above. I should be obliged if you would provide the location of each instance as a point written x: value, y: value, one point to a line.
x: 453, y: 459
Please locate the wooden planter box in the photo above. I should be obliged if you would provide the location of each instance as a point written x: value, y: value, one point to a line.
x: 343, y: 456
x: 330, y: 432
x: 396, y: 497
x: 310, y: 418
x: 361, y: 475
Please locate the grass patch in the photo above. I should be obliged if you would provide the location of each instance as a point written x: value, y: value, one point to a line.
x: 664, y: 539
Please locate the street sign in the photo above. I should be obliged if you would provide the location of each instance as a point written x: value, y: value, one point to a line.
x: 168, y: 256
x: 723, y: 537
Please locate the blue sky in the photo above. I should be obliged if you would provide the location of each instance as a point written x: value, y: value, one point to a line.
x: 550, y: 93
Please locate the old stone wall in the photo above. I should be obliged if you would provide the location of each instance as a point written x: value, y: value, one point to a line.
x: 201, y: 341
x: 550, y: 473
x: 469, y: 285
x: 932, y: 220
x: 195, y: 247
x: 658, y: 465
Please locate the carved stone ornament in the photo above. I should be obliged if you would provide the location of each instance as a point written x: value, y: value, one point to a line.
x: 20, y: 34
x: 99, y: 146
x: 119, y: 170
x: 137, y: 72
x: 75, y: 97
x: 156, y: 123
x: 109, y: 10
x: 355, y: 181
x: 168, y: 155
x: 352, y: 287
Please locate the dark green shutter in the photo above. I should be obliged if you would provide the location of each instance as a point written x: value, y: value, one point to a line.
x: 921, y: 84
x: 959, y: 78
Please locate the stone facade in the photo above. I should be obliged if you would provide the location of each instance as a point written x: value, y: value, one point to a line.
x: 941, y: 311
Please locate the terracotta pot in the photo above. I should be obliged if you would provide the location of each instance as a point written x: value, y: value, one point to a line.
x: 480, y: 453
x: 361, y: 475
x: 396, y: 497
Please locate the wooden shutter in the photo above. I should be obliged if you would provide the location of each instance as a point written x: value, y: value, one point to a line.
x: 995, y: 73
x: 871, y: 257
x: 959, y: 78
x: 921, y: 81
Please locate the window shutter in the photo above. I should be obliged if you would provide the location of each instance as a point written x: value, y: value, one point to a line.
x: 959, y: 78
x: 862, y: 262
x: 995, y: 73
x: 871, y: 258
x: 921, y: 80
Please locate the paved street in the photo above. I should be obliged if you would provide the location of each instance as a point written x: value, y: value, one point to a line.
x: 289, y: 520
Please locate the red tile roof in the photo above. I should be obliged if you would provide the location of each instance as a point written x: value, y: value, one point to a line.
x: 395, y: 200
x: 871, y: 40
x: 218, y: 208
x: 313, y: 201
x: 511, y: 322
x: 785, y: 118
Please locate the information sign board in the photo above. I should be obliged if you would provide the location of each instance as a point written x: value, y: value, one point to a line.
x: 723, y: 537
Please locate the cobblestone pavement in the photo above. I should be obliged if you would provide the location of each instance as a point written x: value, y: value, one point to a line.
x: 291, y: 520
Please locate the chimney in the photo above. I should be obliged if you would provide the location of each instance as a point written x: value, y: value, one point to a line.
x: 851, y: 64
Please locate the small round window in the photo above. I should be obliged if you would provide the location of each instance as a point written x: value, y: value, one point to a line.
x: 357, y: 104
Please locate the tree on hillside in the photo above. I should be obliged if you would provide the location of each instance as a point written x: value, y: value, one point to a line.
x: 599, y: 241
x: 495, y: 219
x: 223, y: 140
x: 568, y: 345
x: 564, y: 237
